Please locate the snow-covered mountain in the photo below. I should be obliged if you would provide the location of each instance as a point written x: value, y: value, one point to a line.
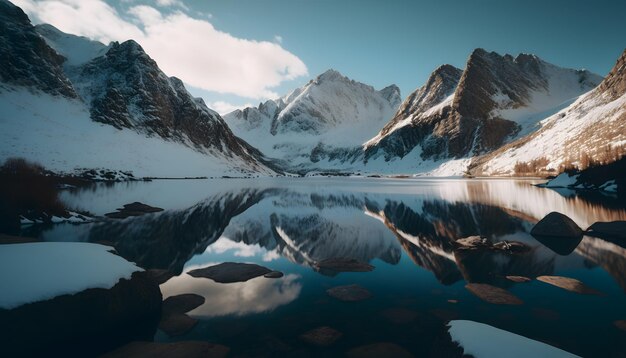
x: 69, y: 102
x: 591, y: 128
x: 331, y: 116
x: 461, y: 113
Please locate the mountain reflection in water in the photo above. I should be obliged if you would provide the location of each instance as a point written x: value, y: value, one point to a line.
x: 408, y: 229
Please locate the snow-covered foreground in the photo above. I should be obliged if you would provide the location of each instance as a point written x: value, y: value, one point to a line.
x: 59, y: 134
x: 40, y: 271
x: 484, y: 341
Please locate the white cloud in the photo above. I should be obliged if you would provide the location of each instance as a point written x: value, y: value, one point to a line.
x: 183, y: 46
x: 223, y: 107
x: 278, y: 39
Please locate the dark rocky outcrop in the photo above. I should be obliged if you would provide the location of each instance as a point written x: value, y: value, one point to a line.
x: 133, y: 209
x: 26, y: 58
x: 615, y: 230
x: 557, y: 225
x: 229, y: 272
x: 84, y: 324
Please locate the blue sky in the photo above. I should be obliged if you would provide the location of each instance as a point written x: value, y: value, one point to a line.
x: 384, y: 42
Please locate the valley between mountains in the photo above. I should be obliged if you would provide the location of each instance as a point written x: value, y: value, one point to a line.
x: 70, y: 103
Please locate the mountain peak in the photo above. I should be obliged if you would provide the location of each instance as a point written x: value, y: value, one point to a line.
x: 330, y: 75
x: 392, y: 94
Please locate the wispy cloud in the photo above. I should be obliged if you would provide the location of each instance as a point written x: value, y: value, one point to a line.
x: 183, y: 46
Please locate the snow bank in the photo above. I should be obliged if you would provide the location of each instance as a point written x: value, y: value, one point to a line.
x: 481, y: 340
x: 40, y: 271
x: 563, y: 180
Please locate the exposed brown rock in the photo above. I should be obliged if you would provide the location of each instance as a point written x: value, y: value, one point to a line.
x: 518, y: 279
x: 492, y: 294
x: 321, y: 336
x: 569, y: 284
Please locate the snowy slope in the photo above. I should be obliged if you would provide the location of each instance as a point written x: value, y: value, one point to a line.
x: 331, y: 115
x: 590, y: 125
x: 77, y: 50
x: 58, y: 133
x: 69, y: 102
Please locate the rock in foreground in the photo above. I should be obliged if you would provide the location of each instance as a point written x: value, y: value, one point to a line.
x: 191, y: 349
x: 557, y: 225
x: 492, y: 294
x: 349, y: 293
x: 229, y: 272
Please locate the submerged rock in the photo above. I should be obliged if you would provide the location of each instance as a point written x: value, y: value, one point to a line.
x: 344, y: 265
x: 493, y: 294
x: 133, y: 209
x: 274, y: 274
x: 379, y: 350
x: 182, y: 303
x: 557, y: 225
x: 174, y: 321
x: 569, y: 284
x: 229, y: 272
x: 608, y: 230
x: 621, y: 324
x: 177, y: 324
x: 349, y: 293
x: 189, y: 349
x: 399, y: 315
x: 518, y: 279
x: 321, y: 336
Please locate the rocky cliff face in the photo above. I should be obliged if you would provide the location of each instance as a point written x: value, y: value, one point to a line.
x: 26, y: 58
x: 591, y: 128
x: 458, y: 114
x: 119, y: 85
x: 127, y: 89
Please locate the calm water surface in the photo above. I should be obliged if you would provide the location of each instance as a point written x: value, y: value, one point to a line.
x: 405, y: 228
